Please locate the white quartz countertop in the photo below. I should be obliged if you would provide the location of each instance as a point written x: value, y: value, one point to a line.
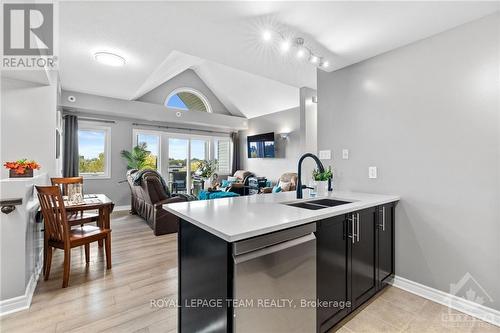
x: 238, y: 218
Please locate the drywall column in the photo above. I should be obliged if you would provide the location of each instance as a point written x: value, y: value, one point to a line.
x: 28, y: 123
x: 308, y: 130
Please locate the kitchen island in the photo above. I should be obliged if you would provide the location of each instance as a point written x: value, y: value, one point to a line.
x: 274, y: 263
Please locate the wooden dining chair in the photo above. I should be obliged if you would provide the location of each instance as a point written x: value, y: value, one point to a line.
x: 79, y: 217
x: 58, y: 233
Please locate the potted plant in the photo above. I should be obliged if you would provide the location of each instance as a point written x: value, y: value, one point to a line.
x: 206, y: 171
x: 322, y: 179
x: 21, y: 168
x: 139, y: 158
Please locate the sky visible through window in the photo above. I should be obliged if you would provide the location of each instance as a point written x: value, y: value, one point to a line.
x: 178, y: 149
x: 198, y: 149
x: 176, y: 102
x: 151, y: 142
x: 90, y: 143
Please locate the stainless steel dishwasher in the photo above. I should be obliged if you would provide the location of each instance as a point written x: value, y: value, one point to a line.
x: 273, y: 275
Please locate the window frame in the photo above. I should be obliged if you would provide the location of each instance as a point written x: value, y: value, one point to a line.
x: 193, y: 91
x: 215, y: 141
x: 137, y: 131
x: 88, y: 126
x: 164, y: 146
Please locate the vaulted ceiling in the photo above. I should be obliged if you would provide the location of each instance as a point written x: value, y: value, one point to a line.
x: 221, y: 42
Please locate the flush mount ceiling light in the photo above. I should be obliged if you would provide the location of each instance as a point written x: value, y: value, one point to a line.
x: 302, y: 51
x: 109, y: 59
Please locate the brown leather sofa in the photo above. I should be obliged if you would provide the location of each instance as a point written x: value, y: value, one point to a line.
x: 147, y: 200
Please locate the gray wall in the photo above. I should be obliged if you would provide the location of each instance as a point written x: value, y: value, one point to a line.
x: 188, y: 79
x: 28, y: 124
x: 287, y: 151
x: 427, y: 115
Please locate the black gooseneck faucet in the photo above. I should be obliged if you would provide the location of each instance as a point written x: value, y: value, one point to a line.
x: 321, y: 168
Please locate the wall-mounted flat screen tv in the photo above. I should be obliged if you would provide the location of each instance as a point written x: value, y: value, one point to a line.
x: 261, y: 146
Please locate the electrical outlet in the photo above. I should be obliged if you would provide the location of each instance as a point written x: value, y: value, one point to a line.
x: 325, y: 154
x: 372, y: 172
x: 345, y: 154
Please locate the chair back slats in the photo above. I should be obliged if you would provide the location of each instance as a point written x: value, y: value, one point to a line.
x: 63, y: 182
x: 54, y: 213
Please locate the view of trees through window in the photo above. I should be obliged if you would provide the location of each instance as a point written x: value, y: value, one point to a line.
x: 153, y: 146
x: 91, y: 147
x: 170, y: 154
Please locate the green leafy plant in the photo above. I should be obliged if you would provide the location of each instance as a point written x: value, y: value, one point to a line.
x: 139, y: 158
x: 206, y: 169
x: 322, y: 176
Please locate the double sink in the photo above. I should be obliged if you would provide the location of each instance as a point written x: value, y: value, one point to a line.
x: 318, y: 204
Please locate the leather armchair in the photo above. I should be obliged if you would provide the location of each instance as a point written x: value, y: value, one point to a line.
x: 286, y: 178
x: 147, y: 200
x: 241, y: 187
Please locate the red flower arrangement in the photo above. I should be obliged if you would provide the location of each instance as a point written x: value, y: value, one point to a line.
x: 20, y: 167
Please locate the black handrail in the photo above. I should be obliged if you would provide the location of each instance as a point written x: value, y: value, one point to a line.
x: 9, y: 205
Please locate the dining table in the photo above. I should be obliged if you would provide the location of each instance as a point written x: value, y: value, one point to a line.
x: 99, y: 202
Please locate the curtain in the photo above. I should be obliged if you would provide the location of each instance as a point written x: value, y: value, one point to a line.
x: 70, y: 150
x: 236, y: 152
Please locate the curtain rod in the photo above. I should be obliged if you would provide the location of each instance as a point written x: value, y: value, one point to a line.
x: 94, y: 120
x: 180, y: 128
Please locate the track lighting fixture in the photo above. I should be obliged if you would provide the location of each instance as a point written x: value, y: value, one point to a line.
x: 298, y: 43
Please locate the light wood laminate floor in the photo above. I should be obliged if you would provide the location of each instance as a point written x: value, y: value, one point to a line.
x: 145, y: 269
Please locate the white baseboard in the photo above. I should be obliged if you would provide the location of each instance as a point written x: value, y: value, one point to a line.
x: 476, y: 310
x: 22, y: 302
x: 121, y: 208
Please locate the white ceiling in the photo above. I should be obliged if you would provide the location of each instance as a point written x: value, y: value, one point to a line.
x: 221, y: 42
x: 240, y: 92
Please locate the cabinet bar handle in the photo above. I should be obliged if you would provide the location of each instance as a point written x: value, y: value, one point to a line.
x: 383, y: 218
x: 357, y: 223
x: 353, y: 229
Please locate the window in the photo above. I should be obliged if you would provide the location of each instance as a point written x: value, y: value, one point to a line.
x: 152, y: 142
x: 223, y: 155
x: 177, y: 156
x: 187, y: 99
x: 94, y: 151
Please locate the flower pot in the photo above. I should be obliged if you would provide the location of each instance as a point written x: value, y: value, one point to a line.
x: 27, y: 173
x: 322, y: 188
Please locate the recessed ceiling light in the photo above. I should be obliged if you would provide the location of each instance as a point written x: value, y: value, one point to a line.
x: 266, y: 35
x: 314, y: 59
x: 300, y: 53
x: 285, y: 46
x: 325, y: 64
x: 109, y: 59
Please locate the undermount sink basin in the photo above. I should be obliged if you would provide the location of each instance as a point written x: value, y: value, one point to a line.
x: 328, y: 202
x: 306, y: 205
x: 318, y: 204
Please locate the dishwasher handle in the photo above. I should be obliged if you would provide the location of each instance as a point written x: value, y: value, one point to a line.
x: 274, y: 248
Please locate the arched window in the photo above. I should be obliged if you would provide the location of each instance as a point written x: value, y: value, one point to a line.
x: 187, y: 99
